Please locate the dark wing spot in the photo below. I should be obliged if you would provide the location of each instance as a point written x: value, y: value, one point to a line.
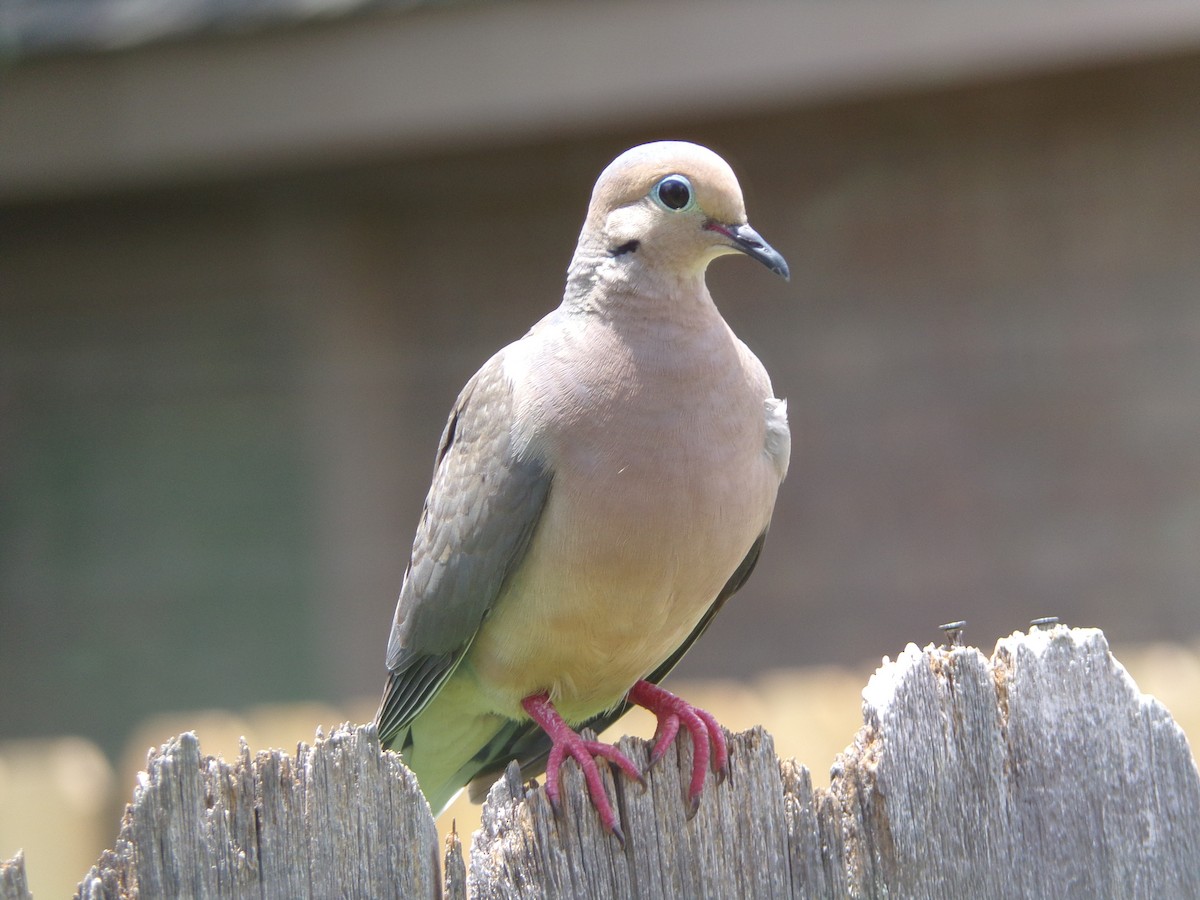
x: 451, y: 429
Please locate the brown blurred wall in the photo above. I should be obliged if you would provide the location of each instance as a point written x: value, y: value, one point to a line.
x: 221, y: 386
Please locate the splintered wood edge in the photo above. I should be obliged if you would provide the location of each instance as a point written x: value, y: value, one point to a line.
x: 13, y: 883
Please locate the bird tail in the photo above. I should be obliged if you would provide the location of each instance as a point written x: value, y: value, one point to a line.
x: 447, y: 746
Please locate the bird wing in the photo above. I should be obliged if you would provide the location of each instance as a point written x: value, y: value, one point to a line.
x: 483, y: 506
x: 530, y: 746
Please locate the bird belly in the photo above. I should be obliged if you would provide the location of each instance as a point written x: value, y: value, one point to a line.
x: 617, y: 576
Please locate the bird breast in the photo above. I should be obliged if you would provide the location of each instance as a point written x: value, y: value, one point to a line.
x: 662, y: 480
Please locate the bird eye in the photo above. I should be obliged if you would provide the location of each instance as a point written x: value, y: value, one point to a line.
x: 673, y: 193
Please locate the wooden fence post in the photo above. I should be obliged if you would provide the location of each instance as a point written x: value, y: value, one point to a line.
x: 1040, y: 772
x: 341, y: 819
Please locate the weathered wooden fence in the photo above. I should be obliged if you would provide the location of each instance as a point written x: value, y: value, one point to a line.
x: 1041, y: 772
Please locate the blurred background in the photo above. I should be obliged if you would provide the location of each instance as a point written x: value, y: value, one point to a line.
x: 250, y: 252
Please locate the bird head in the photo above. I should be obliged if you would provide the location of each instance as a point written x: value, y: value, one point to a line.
x: 672, y: 207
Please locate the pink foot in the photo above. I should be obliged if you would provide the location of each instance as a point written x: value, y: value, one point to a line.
x: 568, y: 742
x: 707, y: 737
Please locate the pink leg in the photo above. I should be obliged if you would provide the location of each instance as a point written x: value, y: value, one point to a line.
x: 707, y: 737
x: 567, y: 742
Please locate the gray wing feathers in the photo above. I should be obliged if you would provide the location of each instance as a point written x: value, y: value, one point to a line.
x: 482, y: 508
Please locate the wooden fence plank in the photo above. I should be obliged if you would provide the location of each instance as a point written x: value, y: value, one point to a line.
x: 454, y: 868
x: 524, y: 850
x: 342, y: 819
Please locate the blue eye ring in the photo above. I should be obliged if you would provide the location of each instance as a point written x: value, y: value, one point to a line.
x: 674, y: 193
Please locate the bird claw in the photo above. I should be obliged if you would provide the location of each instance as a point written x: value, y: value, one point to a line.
x: 672, y: 712
x: 568, y: 743
x: 664, y: 734
x: 616, y: 831
x: 708, y: 740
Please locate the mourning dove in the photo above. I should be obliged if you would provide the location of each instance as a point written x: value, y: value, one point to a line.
x: 603, y: 486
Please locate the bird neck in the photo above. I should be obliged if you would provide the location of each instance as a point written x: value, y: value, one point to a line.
x: 625, y: 289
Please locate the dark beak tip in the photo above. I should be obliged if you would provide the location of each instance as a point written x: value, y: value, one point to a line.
x: 751, y: 243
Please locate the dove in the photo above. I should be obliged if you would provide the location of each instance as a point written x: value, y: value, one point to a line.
x: 602, y: 486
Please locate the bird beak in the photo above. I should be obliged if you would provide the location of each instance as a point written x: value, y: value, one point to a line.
x: 750, y: 242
